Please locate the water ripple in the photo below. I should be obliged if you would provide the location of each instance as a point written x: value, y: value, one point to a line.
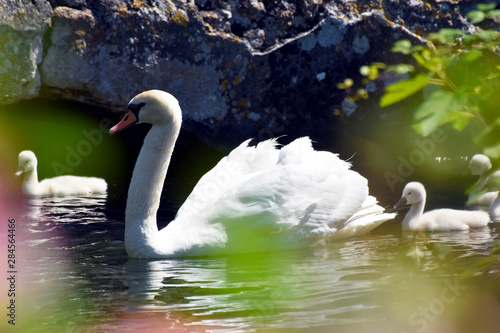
x: 78, y: 278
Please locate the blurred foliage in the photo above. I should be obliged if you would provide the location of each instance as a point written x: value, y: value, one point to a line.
x: 67, y: 138
x: 482, y: 12
x: 459, y: 74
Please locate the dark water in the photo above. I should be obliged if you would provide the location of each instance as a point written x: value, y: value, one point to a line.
x: 74, y: 276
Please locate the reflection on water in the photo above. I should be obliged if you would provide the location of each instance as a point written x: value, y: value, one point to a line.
x: 66, y: 209
x: 76, y: 277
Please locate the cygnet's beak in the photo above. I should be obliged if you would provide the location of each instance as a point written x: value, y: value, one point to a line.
x: 19, y: 171
x: 128, y: 120
x: 402, y: 202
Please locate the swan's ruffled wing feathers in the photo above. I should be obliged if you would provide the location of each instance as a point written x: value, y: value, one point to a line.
x: 311, y: 194
x: 296, y: 151
x: 369, y: 216
x: 252, y: 159
x: 289, y: 197
x: 231, y: 170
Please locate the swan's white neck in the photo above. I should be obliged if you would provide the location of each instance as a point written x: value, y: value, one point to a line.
x: 30, y: 182
x: 141, y: 231
x: 413, y: 216
x: 481, y: 182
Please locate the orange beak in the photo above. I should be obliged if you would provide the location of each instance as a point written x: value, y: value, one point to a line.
x: 128, y: 120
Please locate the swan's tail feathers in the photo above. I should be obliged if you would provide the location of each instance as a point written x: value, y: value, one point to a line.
x: 368, y: 207
x: 296, y: 151
x: 477, y: 219
x: 97, y: 185
x: 367, y: 218
x: 270, y: 144
x: 363, y: 225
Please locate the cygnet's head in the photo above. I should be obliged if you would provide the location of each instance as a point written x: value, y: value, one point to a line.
x: 413, y: 193
x: 479, y: 164
x: 27, y: 162
x: 154, y: 107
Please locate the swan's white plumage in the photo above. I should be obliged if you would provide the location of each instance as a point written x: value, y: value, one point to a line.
x: 414, y: 194
x: 494, y: 210
x: 257, y: 198
x: 479, y: 166
x: 57, y: 186
x: 493, y: 183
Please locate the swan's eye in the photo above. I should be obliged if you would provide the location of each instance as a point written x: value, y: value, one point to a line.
x: 409, y: 193
x: 135, y: 108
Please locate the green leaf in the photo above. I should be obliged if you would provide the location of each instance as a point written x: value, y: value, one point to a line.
x: 489, y: 139
x: 432, y: 113
x: 472, y: 55
x: 469, y: 39
x: 459, y: 120
x: 380, y: 65
x: 484, y: 7
x: 492, y: 151
x: 418, y: 48
x: 403, y: 89
x: 456, y: 110
x: 494, y: 13
x: 476, y: 16
x: 402, y: 46
x: 401, y: 68
x: 491, y: 45
x: 488, y: 35
x: 460, y: 99
x: 418, y: 57
x: 446, y: 35
x: 489, y: 135
x: 438, y: 100
x: 426, y: 60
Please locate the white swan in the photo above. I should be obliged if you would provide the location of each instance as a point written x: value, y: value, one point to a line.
x: 480, y: 165
x: 255, y: 199
x: 493, y: 183
x: 439, y: 219
x: 57, y: 186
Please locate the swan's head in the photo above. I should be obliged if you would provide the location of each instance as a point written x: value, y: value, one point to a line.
x: 27, y: 162
x: 154, y: 107
x: 413, y: 193
x: 479, y: 164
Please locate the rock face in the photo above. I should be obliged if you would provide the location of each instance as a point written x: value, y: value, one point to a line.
x: 240, y: 69
x: 22, y: 29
